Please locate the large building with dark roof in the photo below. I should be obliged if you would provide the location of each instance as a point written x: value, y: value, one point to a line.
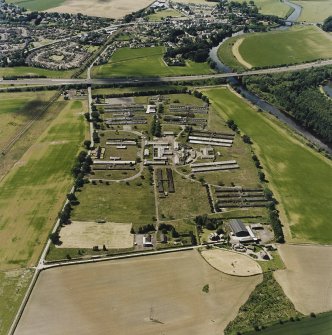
x: 238, y: 228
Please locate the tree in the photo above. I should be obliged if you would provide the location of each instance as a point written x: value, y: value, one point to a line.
x: 327, y: 25
x: 246, y: 139
x: 87, y: 144
x: 261, y: 176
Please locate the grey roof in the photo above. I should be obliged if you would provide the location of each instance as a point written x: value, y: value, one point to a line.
x: 237, y: 226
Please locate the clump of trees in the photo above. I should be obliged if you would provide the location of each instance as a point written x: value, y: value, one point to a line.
x: 298, y: 94
x: 156, y: 127
x: 327, y: 25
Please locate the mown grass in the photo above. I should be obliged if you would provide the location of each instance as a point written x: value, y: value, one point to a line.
x: 34, y: 71
x: 267, y: 304
x: 296, y: 45
x: 298, y: 175
x: 271, y: 7
x: 141, y: 62
x: 35, y: 5
x: 315, y: 10
x: 318, y: 325
x: 117, y: 202
x: 160, y: 15
x: 33, y: 191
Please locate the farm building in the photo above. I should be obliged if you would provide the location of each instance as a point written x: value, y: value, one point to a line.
x: 147, y: 241
x: 238, y: 228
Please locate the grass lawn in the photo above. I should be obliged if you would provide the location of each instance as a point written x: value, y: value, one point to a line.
x: 160, y: 15
x: 271, y: 7
x: 35, y: 5
x: 296, y: 45
x: 117, y: 202
x: 268, y: 303
x: 141, y: 62
x: 33, y: 191
x: 17, y: 109
x: 297, y: 174
x: 315, y: 10
x: 34, y: 71
x: 190, y: 199
x: 319, y: 325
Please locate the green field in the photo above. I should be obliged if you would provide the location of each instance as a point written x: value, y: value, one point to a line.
x: 271, y: 7
x: 142, y: 62
x: 35, y: 5
x: 319, y: 325
x: 33, y: 192
x: 160, y: 15
x: 296, y: 45
x: 297, y: 174
x: 117, y: 202
x: 33, y: 71
x: 315, y: 10
x: 17, y: 109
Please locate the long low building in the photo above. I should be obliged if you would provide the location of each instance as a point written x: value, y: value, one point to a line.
x: 219, y: 144
x: 211, y: 139
x: 96, y: 162
x: 215, y: 168
x: 196, y: 165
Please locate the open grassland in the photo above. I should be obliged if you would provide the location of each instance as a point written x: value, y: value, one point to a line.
x: 318, y: 325
x: 266, y: 305
x: 147, y: 295
x: 117, y: 90
x: 117, y: 202
x: 190, y: 199
x: 307, y: 277
x: 34, y: 71
x: 33, y: 191
x: 296, y: 45
x: 297, y: 174
x: 271, y: 7
x: 160, y: 15
x: 103, y: 8
x: 13, y: 285
x: 142, y: 62
x: 17, y: 109
x: 315, y: 10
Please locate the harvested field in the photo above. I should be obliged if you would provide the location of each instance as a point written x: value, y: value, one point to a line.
x: 307, y: 278
x: 104, y: 8
x: 88, y: 234
x: 231, y: 263
x: 159, y: 294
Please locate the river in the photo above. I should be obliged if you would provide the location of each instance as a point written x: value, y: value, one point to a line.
x: 263, y: 105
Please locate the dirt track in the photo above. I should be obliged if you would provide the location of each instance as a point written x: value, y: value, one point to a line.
x: 307, y: 281
x: 238, y: 56
x: 103, y: 8
x: 232, y: 263
x: 150, y: 295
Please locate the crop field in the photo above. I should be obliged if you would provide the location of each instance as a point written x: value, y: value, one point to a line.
x: 271, y: 7
x: 318, y: 325
x: 17, y: 109
x: 38, y: 183
x: 117, y: 202
x: 315, y: 10
x: 148, y: 295
x: 34, y: 71
x: 301, y: 189
x: 164, y: 14
x: 104, y: 8
x: 141, y: 62
x: 311, y: 266
x: 296, y: 45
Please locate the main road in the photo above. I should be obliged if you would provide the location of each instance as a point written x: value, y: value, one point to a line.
x: 138, y: 80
